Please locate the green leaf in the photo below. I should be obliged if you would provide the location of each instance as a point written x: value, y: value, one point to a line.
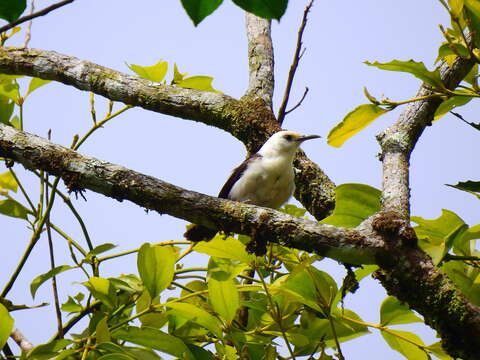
x: 196, y: 315
x: 100, y: 249
x: 154, y: 73
x: 156, y: 266
x: 203, y: 83
x: 228, y: 248
x: 40, y: 279
x: 116, y: 356
x: 450, y: 104
x: 102, y: 331
x: 354, y: 203
x: 222, y: 290
x: 48, y: 351
x: 198, y: 10
x: 177, y: 75
x: 155, y: 339
x: 152, y: 319
x: 456, y: 6
x: 267, y: 9
x: 438, y: 351
x: 102, y: 290
x: 6, y: 325
x: 9, y: 87
x: 417, y: 69
x: 8, y: 182
x: 396, y: 339
x: 6, y: 109
x: 317, y: 327
x: 472, y: 13
x: 13, y: 208
x: 34, y: 84
x: 71, y: 306
x: 393, y: 312
x: 353, y: 122
x: 200, y: 353
x: 291, y: 209
x: 12, y: 9
x: 472, y: 187
x: 437, y: 236
x: 15, y: 122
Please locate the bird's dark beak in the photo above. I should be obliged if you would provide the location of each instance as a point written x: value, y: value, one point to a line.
x: 307, y: 137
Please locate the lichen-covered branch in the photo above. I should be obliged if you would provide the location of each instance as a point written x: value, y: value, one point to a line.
x: 398, y: 141
x: 385, y: 239
x: 260, y: 58
x: 249, y: 120
x: 82, y: 172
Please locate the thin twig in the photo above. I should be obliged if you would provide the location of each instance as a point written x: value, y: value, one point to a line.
x: 293, y: 68
x: 58, y: 312
x: 28, y: 32
x: 299, y: 103
x: 34, y: 15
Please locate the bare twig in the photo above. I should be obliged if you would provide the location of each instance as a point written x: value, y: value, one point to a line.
x: 58, y: 312
x: 299, y: 103
x: 293, y: 68
x: 28, y: 32
x: 21, y: 340
x: 34, y: 15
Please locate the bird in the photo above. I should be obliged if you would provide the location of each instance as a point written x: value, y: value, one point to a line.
x: 266, y: 178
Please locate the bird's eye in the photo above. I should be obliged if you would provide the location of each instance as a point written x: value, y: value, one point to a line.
x: 288, y: 137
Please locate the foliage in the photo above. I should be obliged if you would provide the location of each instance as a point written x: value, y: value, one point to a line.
x: 199, y: 312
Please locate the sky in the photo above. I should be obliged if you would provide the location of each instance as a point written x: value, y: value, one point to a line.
x: 339, y: 37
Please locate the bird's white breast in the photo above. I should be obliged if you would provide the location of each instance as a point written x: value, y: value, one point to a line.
x: 267, y: 181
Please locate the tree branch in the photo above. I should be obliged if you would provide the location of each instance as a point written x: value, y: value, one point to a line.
x: 385, y: 239
x: 34, y: 15
x: 82, y: 172
x: 260, y: 59
x: 293, y: 68
x: 398, y: 141
x: 248, y: 120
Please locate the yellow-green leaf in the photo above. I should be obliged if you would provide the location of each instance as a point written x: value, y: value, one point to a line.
x: 156, y: 267
x: 403, y: 342
x: 102, y: 290
x: 40, y: 279
x: 154, y: 73
x: 8, y: 182
x: 6, y: 325
x: 456, y: 6
x: 354, y: 203
x: 393, y: 312
x: 203, y: 83
x: 13, y: 208
x: 354, y: 121
x: 35, y: 83
x: 197, y: 315
x: 102, y: 331
x: 227, y: 248
x: 450, y: 104
x: 415, y: 68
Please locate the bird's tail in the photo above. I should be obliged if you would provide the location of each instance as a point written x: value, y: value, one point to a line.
x: 198, y: 233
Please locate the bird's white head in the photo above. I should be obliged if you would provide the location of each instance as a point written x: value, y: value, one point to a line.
x: 284, y: 143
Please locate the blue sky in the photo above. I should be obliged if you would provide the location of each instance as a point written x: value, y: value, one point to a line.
x: 338, y: 38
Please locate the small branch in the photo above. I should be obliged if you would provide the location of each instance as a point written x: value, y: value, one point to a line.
x: 398, y: 141
x: 28, y: 32
x: 58, y: 312
x: 34, y: 15
x: 260, y: 58
x: 21, y: 340
x: 293, y: 68
x: 299, y: 103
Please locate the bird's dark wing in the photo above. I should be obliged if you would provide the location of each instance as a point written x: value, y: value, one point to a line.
x: 236, y: 174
